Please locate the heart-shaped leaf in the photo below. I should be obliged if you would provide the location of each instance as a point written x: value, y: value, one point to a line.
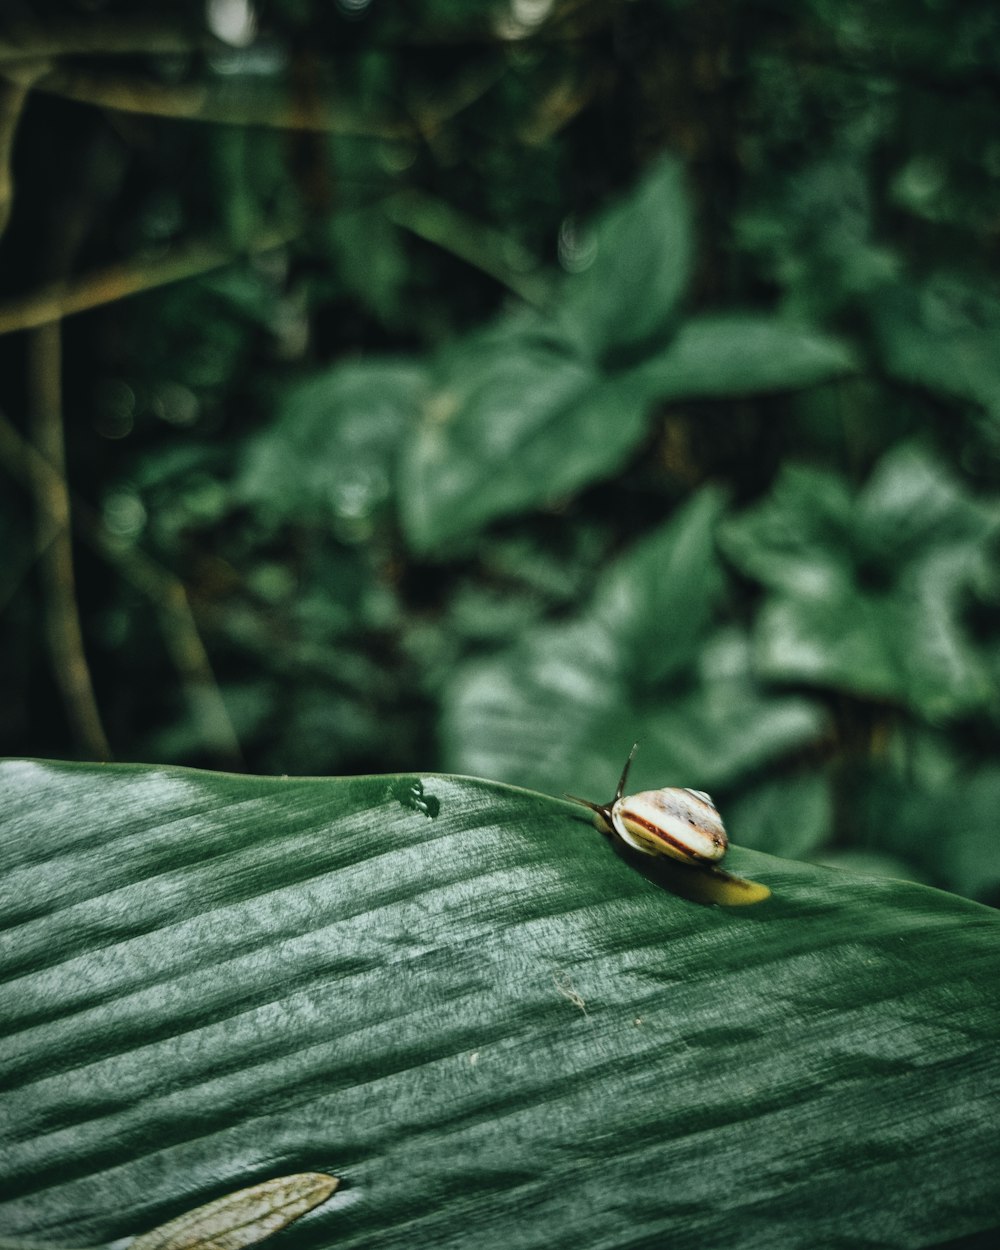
x: 516, y: 418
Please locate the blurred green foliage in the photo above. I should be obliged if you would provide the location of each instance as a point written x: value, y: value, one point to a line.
x: 629, y: 371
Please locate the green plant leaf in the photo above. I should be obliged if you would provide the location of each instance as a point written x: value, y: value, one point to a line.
x: 868, y: 592
x: 944, y: 825
x: 533, y: 408
x: 333, y: 446
x: 784, y: 815
x: 562, y: 706
x: 942, y: 336
x: 456, y: 997
x: 642, y: 248
x: 515, y: 420
x: 741, y: 354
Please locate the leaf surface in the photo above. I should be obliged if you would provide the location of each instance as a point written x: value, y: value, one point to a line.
x: 868, y: 592
x: 517, y: 419
x: 642, y: 250
x: 456, y: 997
x: 723, y: 354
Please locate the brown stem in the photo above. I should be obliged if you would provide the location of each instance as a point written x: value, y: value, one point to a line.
x: 13, y: 97
x: 222, y: 105
x: 167, y: 594
x: 118, y: 281
x: 62, y: 616
x: 93, y: 36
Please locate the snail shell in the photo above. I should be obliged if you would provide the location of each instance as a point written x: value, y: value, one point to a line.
x: 680, y: 823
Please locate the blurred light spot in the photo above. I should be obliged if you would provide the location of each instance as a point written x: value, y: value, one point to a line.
x: 290, y: 326
x: 522, y: 18
x: 115, y: 409
x: 124, y: 513
x: 175, y: 404
x: 356, y: 497
x: 920, y: 180
x: 353, y: 8
x: 530, y: 12
x: 272, y: 582
x: 577, y: 246
x: 162, y: 216
x: 395, y: 157
x: 232, y: 21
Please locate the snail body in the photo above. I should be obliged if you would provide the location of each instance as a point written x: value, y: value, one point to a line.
x: 677, y: 822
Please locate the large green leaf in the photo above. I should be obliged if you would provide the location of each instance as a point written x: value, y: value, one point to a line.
x: 535, y: 407
x: 943, y: 336
x: 456, y: 998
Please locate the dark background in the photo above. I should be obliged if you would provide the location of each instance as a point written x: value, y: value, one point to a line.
x: 248, y: 252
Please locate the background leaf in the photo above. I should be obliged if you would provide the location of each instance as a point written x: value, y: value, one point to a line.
x: 943, y: 336
x: 570, y: 698
x: 868, y: 593
x: 741, y: 354
x: 641, y: 250
x: 517, y: 419
x: 457, y: 998
x: 332, y: 447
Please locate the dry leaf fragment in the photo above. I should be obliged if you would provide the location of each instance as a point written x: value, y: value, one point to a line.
x: 241, y: 1218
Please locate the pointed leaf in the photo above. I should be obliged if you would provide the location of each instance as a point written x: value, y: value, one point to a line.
x: 741, y: 354
x: 869, y: 591
x: 333, y: 446
x: 517, y: 420
x: 642, y: 257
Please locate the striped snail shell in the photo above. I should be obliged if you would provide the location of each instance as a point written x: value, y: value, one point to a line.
x: 680, y: 823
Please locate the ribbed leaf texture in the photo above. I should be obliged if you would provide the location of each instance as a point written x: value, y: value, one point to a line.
x: 497, y: 1032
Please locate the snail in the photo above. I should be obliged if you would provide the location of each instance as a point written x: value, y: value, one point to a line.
x: 680, y: 824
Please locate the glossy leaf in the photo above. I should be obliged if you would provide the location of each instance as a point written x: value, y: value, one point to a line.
x: 458, y: 998
x: 868, y: 591
x: 332, y: 449
x: 516, y: 419
x: 642, y: 251
x: 741, y: 354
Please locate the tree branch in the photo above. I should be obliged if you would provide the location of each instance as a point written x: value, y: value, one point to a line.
x: 119, y: 281
x: 228, y: 106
